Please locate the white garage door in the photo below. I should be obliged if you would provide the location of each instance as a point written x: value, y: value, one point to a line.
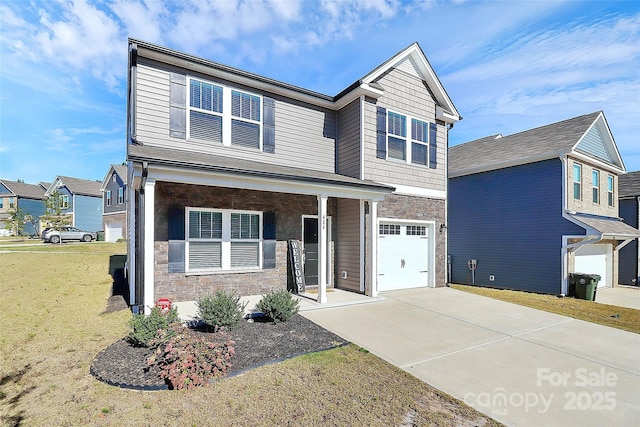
x: 403, y: 256
x: 113, y: 231
x: 595, y: 259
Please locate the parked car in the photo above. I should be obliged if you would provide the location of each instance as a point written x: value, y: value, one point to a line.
x: 67, y: 233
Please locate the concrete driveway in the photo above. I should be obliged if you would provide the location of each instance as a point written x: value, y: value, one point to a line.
x: 521, y: 366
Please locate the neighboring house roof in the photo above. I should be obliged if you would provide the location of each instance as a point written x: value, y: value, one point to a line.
x: 629, y: 185
x: 209, y: 162
x: 365, y: 86
x: 45, y: 185
x: 77, y: 186
x: 120, y: 170
x: 587, y: 136
x: 28, y: 191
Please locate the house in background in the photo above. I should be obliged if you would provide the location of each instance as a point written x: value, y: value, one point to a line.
x: 226, y: 167
x: 526, y: 210
x: 81, y: 200
x: 114, y: 193
x: 29, y: 198
x: 629, y: 199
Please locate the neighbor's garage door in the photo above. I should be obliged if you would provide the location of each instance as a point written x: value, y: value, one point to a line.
x: 595, y: 259
x: 113, y: 231
x: 403, y: 256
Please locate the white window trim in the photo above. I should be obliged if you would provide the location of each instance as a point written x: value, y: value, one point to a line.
x: 120, y: 195
x: 107, y: 197
x: 225, y: 241
x: 612, y: 191
x: 574, y: 181
x: 408, y: 140
x: 596, y: 187
x: 226, y: 114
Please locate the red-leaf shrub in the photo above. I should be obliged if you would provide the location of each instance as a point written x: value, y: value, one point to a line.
x: 187, y: 361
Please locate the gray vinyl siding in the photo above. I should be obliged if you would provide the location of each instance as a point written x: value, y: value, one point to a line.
x: 593, y: 144
x: 404, y: 94
x: 348, y: 161
x: 304, y: 135
x: 347, y: 245
x: 113, y: 187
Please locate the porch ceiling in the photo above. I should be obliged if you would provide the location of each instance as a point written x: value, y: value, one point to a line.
x: 207, y: 169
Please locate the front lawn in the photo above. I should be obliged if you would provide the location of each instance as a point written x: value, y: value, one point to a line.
x: 624, y: 318
x: 54, y: 323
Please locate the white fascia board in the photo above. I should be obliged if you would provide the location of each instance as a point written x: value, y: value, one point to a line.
x: 445, y: 116
x: 221, y: 179
x: 362, y: 90
x: 407, y: 190
x: 596, y: 162
x: 603, y: 127
x: 107, y: 178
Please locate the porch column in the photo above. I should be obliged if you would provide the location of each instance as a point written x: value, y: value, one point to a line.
x: 373, y: 238
x: 148, y: 244
x: 322, y: 249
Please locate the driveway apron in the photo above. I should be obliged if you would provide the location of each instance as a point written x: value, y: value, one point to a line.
x: 521, y: 366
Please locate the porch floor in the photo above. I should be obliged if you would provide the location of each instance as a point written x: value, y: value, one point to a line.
x: 187, y: 310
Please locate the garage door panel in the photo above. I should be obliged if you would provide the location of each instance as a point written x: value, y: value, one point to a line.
x: 402, y: 258
x: 113, y: 231
x: 594, y: 259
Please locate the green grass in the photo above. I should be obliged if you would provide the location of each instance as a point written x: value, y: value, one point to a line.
x: 627, y: 319
x: 54, y: 323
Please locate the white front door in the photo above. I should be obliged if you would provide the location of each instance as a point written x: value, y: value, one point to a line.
x: 403, y: 256
x: 594, y: 259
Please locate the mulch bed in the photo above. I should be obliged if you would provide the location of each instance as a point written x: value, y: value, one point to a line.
x: 256, y: 343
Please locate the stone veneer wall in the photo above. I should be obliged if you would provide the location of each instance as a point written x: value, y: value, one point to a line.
x: 414, y: 208
x: 288, y: 208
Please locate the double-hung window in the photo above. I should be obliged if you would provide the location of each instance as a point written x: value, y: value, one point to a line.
x: 224, y: 115
x: 577, y: 181
x: 419, y: 142
x: 1, y: 203
x: 120, y: 195
x: 64, y: 201
x: 223, y: 239
x: 397, y: 136
x: 245, y: 119
x: 205, y: 112
x: 12, y: 202
x: 595, y: 182
x: 610, y: 190
x: 107, y: 197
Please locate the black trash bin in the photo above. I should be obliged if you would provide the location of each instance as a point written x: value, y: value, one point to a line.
x: 584, y: 285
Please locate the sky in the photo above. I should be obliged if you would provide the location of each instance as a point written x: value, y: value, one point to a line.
x: 508, y: 66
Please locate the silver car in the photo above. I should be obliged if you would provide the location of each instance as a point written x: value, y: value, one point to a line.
x: 67, y: 233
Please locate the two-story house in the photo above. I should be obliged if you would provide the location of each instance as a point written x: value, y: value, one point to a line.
x: 229, y: 170
x: 629, y: 199
x: 81, y: 201
x: 27, y: 198
x: 527, y: 209
x: 114, y: 216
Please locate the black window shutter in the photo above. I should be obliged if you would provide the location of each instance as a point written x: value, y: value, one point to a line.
x: 433, y: 146
x: 381, y: 133
x: 178, y: 106
x: 268, y: 240
x: 269, y: 125
x: 176, y: 249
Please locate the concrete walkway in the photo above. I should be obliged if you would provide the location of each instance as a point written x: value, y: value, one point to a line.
x: 622, y: 296
x: 521, y: 366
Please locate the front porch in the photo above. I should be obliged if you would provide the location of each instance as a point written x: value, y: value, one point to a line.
x: 188, y: 310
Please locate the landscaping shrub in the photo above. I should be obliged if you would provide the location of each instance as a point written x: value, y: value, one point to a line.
x: 278, y: 305
x: 145, y: 330
x: 188, y: 361
x: 221, y: 309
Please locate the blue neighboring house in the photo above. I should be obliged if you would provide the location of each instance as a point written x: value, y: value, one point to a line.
x: 28, y: 198
x: 629, y: 198
x: 81, y: 200
x: 528, y: 209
